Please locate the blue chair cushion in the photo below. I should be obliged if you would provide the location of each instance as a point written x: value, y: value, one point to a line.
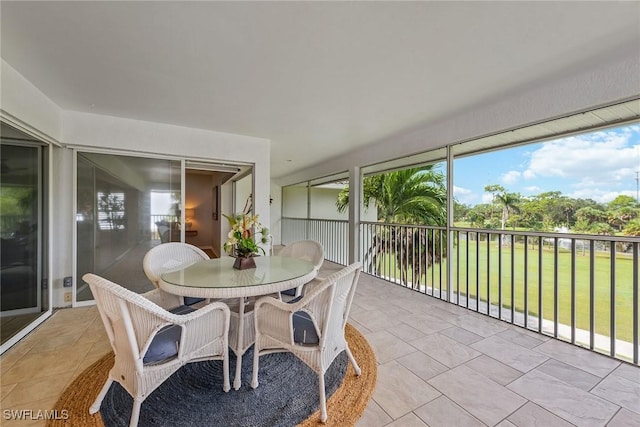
x: 165, y: 344
x: 289, y: 292
x: 182, y: 309
x: 296, y: 299
x: 192, y: 300
x: 303, y: 330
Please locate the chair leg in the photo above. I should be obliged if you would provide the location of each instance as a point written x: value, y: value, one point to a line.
x: 225, y: 367
x: 323, y: 403
x: 256, y: 361
x: 95, y: 407
x: 353, y: 362
x: 135, y: 412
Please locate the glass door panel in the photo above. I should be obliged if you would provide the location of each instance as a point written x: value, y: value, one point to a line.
x: 125, y: 206
x: 23, y: 284
x: 243, y: 194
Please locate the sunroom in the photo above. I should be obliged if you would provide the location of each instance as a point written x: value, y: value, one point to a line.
x: 127, y: 125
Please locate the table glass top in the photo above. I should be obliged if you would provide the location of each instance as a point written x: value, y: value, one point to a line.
x: 219, y: 272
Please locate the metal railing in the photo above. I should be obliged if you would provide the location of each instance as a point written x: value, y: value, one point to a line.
x: 578, y: 288
x: 404, y: 255
x: 332, y: 234
x: 159, y: 218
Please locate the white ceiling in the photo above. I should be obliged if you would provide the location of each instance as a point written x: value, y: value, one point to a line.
x: 316, y: 78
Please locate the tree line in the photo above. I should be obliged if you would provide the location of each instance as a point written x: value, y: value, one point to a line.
x: 418, y: 196
x: 550, y: 211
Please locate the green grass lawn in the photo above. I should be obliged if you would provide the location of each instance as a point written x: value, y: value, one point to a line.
x: 488, y: 284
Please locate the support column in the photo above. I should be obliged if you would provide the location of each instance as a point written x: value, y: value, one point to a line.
x: 450, y: 207
x: 355, y: 207
x: 307, y: 222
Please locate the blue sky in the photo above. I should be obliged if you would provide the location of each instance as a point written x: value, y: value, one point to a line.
x: 598, y: 166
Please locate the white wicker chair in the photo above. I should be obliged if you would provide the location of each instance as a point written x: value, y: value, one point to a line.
x: 165, y: 233
x: 151, y: 343
x: 312, y: 328
x: 170, y: 256
x: 308, y: 250
x: 174, y: 255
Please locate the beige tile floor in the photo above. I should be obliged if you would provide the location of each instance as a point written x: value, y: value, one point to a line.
x: 438, y: 365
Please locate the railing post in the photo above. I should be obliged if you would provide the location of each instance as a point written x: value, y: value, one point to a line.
x: 449, y: 232
x: 355, y: 203
x: 308, y: 222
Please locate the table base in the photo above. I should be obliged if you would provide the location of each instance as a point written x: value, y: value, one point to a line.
x: 242, y: 334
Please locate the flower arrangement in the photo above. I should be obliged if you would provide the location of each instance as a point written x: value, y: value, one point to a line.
x: 241, y: 240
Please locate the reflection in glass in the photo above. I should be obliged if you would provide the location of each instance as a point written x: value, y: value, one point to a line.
x: 111, y: 211
x: 243, y: 192
x: 126, y: 205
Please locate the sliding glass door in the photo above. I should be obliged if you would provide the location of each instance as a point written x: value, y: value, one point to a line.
x: 125, y: 206
x: 24, y: 291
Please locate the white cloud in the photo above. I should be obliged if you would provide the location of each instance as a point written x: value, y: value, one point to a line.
x: 511, y: 177
x: 459, y: 191
x: 604, y: 157
x: 598, y: 166
x: 533, y: 189
x: 464, y: 195
x: 599, y: 195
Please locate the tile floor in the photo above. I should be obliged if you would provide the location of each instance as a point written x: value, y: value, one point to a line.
x: 439, y: 365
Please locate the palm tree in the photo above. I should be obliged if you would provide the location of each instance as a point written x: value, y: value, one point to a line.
x: 509, y: 203
x: 411, y: 196
x: 568, y: 209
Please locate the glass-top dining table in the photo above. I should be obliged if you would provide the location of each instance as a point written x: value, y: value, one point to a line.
x: 217, y: 279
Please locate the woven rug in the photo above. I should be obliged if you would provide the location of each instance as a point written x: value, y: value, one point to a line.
x: 193, y: 396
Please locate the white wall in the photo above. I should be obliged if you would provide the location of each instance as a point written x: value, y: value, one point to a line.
x: 63, y: 220
x: 276, y: 213
x: 92, y: 130
x: 323, y: 204
x: 295, y: 201
x: 26, y: 104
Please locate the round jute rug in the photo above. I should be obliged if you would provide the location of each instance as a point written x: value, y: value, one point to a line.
x: 344, y: 407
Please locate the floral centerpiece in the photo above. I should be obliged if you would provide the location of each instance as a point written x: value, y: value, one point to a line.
x: 241, y: 242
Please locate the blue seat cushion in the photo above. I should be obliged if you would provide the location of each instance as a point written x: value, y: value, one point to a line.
x: 165, y: 344
x: 289, y: 292
x: 182, y: 309
x: 192, y: 300
x: 303, y: 330
x: 296, y: 299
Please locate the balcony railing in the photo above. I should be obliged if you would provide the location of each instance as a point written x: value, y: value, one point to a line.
x: 158, y: 218
x: 579, y: 288
x: 332, y: 234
